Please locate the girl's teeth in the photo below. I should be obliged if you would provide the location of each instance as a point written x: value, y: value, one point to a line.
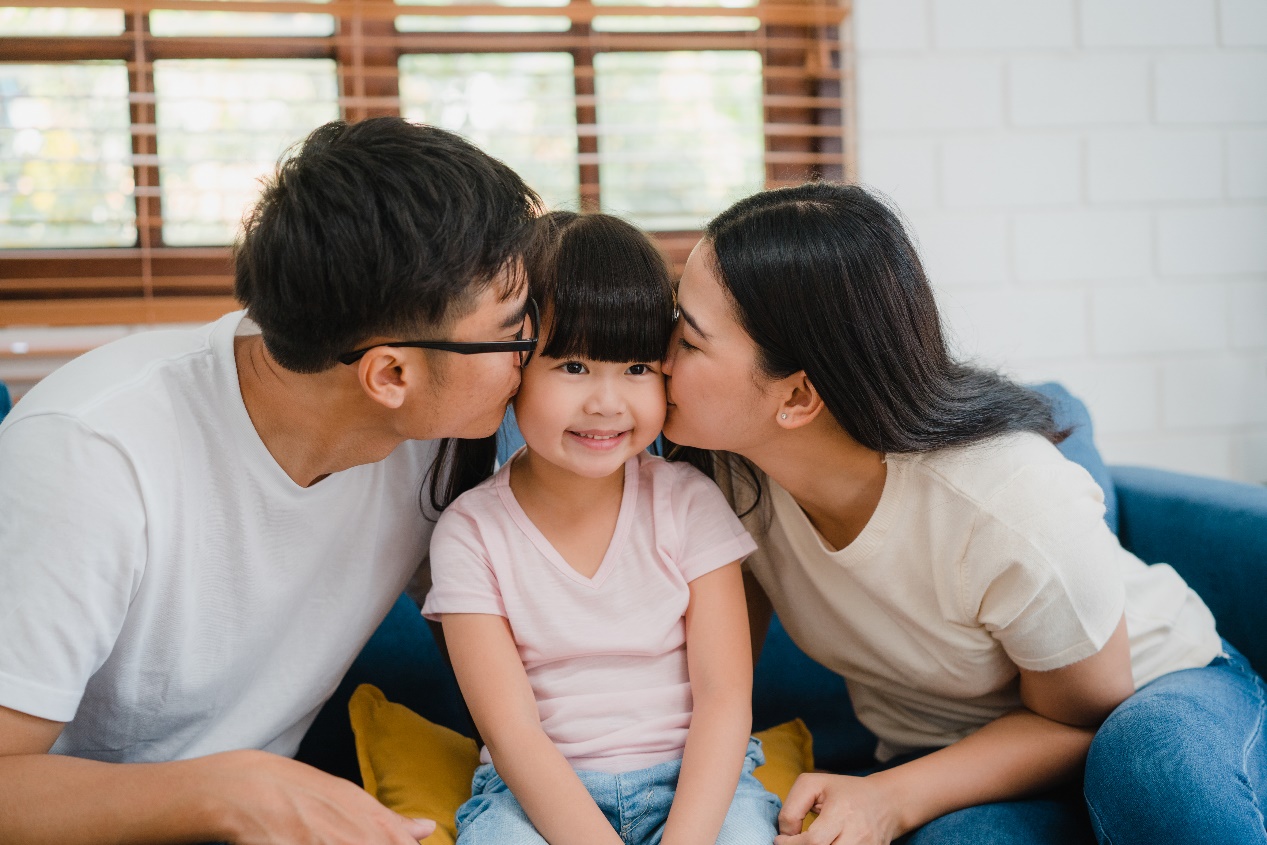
x: 598, y: 436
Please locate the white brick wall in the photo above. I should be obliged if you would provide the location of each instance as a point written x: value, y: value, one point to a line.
x: 1247, y: 162
x: 1244, y: 23
x: 1003, y: 24
x: 1087, y: 182
x: 1077, y: 89
x: 1148, y: 23
x: 1082, y: 245
x: 1010, y: 170
x: 967, y: 248
x: 955, y: 93
x: 1153, y: 164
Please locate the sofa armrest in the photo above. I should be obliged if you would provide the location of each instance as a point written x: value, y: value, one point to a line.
x: 1214, y: 533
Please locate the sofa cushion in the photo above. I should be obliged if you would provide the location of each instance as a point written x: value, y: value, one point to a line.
x: 424, y: 770
x: 1214, y: 533
x: 410, y: 764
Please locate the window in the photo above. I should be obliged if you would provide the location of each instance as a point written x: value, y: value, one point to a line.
x: 65, y: 155
x: 132, y: 139
x: 518, y: 107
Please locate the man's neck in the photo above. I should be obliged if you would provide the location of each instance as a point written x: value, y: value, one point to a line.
x: 312, y: 424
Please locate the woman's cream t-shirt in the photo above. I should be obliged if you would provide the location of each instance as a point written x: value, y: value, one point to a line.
x: 978, y: 559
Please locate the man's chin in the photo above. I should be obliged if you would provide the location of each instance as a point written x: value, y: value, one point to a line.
x: 486, y: 428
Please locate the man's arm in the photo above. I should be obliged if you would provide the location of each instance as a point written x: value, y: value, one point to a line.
x: 244, y: 797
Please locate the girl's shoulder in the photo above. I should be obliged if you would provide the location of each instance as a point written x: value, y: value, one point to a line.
x: 480, y: 498
x: 678, y: 481
x: 656, y: 470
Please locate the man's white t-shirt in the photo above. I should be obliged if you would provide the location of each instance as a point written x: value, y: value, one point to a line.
x: 165, y: 588
x: 977, y: 560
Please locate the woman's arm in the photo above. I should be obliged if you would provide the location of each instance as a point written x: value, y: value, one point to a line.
x: 1018, y: 754
x: 500, y: 699
x: 719, y: 660
x: 1084, y: 693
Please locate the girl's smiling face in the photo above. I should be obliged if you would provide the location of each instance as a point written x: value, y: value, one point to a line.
x: 589, y: 417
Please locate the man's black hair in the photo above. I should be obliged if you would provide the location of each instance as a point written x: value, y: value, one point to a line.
x: 382, y: 228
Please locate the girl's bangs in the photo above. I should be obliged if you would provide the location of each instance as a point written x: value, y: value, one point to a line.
x: 605, y: 294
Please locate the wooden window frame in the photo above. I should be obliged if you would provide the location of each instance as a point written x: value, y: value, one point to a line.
x: 808, y: 126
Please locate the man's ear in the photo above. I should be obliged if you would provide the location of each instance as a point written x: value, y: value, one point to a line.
x: 801, y: 403
x: 385, y: 374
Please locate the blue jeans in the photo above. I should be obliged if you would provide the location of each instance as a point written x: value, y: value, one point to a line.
x: 636, y: 803
x: 1190, y: 750
x: 1182, y: 760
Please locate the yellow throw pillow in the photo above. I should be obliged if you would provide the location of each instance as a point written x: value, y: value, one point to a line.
x: 789, y: 753
x: 424, y: 770
x: 411, y: 765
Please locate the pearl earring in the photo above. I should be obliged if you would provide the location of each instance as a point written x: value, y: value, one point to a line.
x: 782, y: 416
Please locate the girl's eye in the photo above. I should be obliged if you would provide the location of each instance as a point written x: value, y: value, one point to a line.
x: 574, y: 368
x: 638, y: 369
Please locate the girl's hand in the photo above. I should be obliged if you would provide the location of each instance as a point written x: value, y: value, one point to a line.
x: 851, y: 811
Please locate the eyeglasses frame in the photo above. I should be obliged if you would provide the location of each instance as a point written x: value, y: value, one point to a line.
x: 464, y: 347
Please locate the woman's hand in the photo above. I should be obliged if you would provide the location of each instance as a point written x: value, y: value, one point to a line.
x: 851, y: 811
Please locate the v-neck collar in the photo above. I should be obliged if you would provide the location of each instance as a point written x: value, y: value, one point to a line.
x: 224, y: 336
x: 628, y: 501
x: 872, y: 536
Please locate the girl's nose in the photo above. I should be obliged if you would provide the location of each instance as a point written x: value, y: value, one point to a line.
x: 604, y: 399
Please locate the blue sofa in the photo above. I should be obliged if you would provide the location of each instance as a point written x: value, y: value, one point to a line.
x: 1213, y: 532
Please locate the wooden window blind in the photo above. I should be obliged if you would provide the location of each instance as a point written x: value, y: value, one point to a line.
x: 132, y: 133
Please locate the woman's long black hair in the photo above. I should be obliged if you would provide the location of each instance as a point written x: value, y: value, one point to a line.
x: 824, y: 279
x: 606, y: 295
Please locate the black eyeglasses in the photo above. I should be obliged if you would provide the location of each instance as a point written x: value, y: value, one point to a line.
x: 525, y: 346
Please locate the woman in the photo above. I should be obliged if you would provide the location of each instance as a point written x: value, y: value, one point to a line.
x: 921, y: 536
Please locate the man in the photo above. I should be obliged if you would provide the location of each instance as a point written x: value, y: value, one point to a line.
x: 200, y: 529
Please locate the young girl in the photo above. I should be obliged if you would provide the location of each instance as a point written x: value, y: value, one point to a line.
x: 590, y: 593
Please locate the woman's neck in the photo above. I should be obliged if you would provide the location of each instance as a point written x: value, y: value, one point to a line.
x: 836, y: 481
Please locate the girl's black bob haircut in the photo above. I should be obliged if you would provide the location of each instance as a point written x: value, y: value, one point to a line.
x: 605, y: 294
x: 603, y: 287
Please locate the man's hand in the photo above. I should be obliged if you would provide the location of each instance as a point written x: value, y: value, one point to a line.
x: 243, y: 797
x: 851, y: 811
x: 272, y: 800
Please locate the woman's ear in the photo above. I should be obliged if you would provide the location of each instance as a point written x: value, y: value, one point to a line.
x: 801, y: 404
x: 384, y: 374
